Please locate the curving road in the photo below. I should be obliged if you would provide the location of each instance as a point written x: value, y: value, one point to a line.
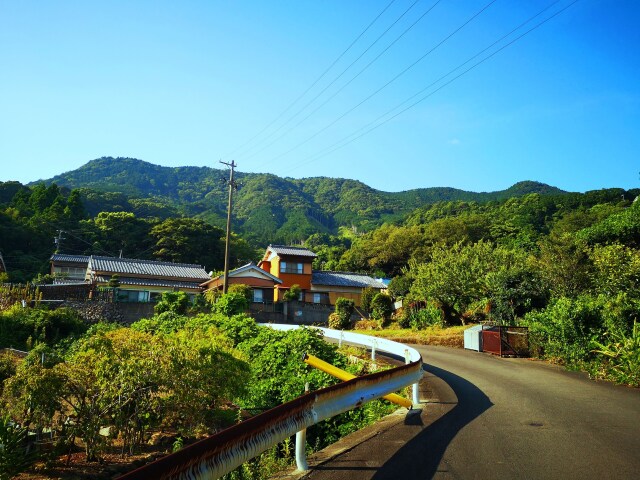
x: 490, y: 418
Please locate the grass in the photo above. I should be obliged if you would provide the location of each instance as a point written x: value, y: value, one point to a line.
x: 448, y: 337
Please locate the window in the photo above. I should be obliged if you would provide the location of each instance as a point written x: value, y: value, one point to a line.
x: 257, y: 295
x: 322, y: 298
x: 287, y: 267
x: 133, y: 296
x: 71, y: 272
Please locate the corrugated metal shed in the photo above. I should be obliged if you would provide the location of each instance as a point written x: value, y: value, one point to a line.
x: 345, y: 279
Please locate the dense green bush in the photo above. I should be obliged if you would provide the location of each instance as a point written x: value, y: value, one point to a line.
x: 618, y: 356
x: 231, y: 303
x: 365, y: 299
x: 22, y: 328
x: 341, y: 318
x: 176, y: 302
x: 421, y: 318
x: 244, y: 290
x: 382, y: 307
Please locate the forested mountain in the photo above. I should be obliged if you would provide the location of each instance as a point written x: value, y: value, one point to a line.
x: 266, y: 206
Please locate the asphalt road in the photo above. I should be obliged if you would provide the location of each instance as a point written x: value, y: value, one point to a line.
x: 490, y: 418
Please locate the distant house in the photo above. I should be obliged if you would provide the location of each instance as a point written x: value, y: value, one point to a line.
x: 146, y: 280
x: 327, y: 286
x: 262, y: 283
x: 69, y: 268
x: 138, y: 280
x: 293, y: 265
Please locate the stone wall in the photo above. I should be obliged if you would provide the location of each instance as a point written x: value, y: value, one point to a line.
x: 124, y: 313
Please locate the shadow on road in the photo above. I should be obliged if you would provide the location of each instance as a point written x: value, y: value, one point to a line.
x: 421, y: 456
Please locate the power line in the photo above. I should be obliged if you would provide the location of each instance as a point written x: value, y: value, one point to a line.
x: 291, y: 105
x: 352, y: 79
x: 405, y: 70
x: 354, y: 136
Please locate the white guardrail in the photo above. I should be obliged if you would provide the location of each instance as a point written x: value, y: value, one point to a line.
x: 221, y: 453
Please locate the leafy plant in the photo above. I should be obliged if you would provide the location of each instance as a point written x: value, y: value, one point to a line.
x: 382, y: 307
x: 15, y: 456
x: 231, y: 303
x: 341, y: 318
x: 620, y: 356
x: 293, y: 293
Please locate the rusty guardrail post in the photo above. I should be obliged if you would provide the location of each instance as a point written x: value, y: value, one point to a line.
x: 301, y: 443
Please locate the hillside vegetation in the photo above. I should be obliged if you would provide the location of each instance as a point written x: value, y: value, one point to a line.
x: 284, y: 210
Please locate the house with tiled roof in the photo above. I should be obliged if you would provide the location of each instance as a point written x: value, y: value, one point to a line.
x: 262, y: 283
x: 145, y: 280
x: 138, y: 280
x: 294, y: 266
x: 327, y: 286
x: 69, y: 268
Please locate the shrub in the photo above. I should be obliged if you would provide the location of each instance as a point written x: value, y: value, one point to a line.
x: 231, y: 303
x: 14, y: 456
x: 341, y: 318
x: 366, y: 298
x: 619, y: 356
x: 176, y: 302
x: 242, y: 289
x: 382, y: 307
x: 429, y: 315
x: 293, y: 293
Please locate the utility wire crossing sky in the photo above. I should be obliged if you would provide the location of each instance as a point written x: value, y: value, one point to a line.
x: 398, y: 94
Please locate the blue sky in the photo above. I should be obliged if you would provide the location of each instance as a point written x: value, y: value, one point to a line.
x: 195, y: 82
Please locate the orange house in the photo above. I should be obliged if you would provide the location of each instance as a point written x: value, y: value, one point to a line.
x: 292, y: 265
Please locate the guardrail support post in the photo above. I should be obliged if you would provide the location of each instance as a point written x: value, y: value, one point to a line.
x: 373, y: 351
x: 301, y: 443
x: 415, y: 393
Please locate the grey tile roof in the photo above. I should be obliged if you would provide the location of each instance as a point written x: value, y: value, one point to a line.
x: 285, y: 250
x: 150, y: 282
x: 129, y: 266
x: 344, y: 279
x: 63, y: 257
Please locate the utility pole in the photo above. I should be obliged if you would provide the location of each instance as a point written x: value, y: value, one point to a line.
x: 58, y: 240
x: 232, y: 187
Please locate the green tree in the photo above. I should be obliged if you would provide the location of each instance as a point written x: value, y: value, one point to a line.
x: 189, y: 240
x: 454, y: 278
x: 616, y: 270
x: 341, y: 318
x: 366, y: 297
x: 382, y: 307
x: 564, y: 265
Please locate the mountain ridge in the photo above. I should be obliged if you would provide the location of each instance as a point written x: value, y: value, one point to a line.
x: 266, y: 205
